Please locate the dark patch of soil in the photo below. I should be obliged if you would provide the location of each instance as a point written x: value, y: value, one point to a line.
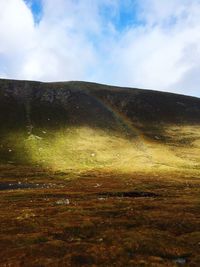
x: 129, y: 194
x: 19, y: 185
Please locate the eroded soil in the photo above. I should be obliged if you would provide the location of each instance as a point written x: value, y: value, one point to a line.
x: 98, y: 219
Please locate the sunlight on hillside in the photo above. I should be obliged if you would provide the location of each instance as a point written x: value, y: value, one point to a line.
x: 84, y: 148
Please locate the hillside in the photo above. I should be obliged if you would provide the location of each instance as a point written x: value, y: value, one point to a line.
x: 95, y: 175
x: 81, y: 125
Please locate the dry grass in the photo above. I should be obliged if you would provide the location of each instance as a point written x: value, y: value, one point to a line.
x: 99, y: 230
x: 84, y: 148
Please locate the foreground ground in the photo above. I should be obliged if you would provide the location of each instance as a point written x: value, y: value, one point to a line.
x: 98, y: 219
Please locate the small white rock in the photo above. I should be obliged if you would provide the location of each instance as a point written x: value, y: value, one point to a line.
x: 97, y: 185
x: 63, y: 202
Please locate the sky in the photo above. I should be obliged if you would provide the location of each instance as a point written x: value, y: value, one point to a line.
x: 152, y: 44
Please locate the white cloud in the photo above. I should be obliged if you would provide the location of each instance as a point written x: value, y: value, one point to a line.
x: 16, y: 32
x: 164, y: 52
x: 79, y: 40
x: 51, y: 50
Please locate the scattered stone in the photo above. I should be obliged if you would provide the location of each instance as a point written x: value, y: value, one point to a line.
x: 101, y: 198
x: 26, y: 214
x: 97, y: 185
x: 34, y: 137
x: 181, y: 261
x: 63, y: 202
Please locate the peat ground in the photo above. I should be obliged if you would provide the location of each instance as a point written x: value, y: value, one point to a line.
x: 98, y: 219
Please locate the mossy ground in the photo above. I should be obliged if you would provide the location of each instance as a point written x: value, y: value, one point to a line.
x: 40, y: 228
x: 85, y: 148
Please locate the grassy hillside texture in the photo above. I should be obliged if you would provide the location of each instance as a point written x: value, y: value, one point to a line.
x: 82, y: 126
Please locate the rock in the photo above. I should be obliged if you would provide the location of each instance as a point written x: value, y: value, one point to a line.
x: 180, y: 261
x: 97, y: 185
x: 34, y: 137
x: 63, y: 201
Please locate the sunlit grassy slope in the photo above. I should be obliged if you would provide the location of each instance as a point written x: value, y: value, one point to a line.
x: 82, y: 126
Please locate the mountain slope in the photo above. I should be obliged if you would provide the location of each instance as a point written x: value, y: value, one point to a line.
x: 80, y: 125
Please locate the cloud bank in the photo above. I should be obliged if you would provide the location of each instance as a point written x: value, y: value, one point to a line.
x: 140, y: 43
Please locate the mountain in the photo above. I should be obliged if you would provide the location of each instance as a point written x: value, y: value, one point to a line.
x: 82, y: 126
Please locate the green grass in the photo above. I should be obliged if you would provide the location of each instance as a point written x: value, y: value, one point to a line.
x: 82, y: 148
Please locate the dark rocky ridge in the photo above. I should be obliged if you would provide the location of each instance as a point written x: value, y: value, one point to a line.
x: 24, y: 103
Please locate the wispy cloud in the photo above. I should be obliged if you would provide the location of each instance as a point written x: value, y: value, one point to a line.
x: 140, y: 43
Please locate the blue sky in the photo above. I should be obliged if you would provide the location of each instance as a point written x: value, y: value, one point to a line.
x: 126, y: 16
x: 139, y: 43
x: 36, y: 8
